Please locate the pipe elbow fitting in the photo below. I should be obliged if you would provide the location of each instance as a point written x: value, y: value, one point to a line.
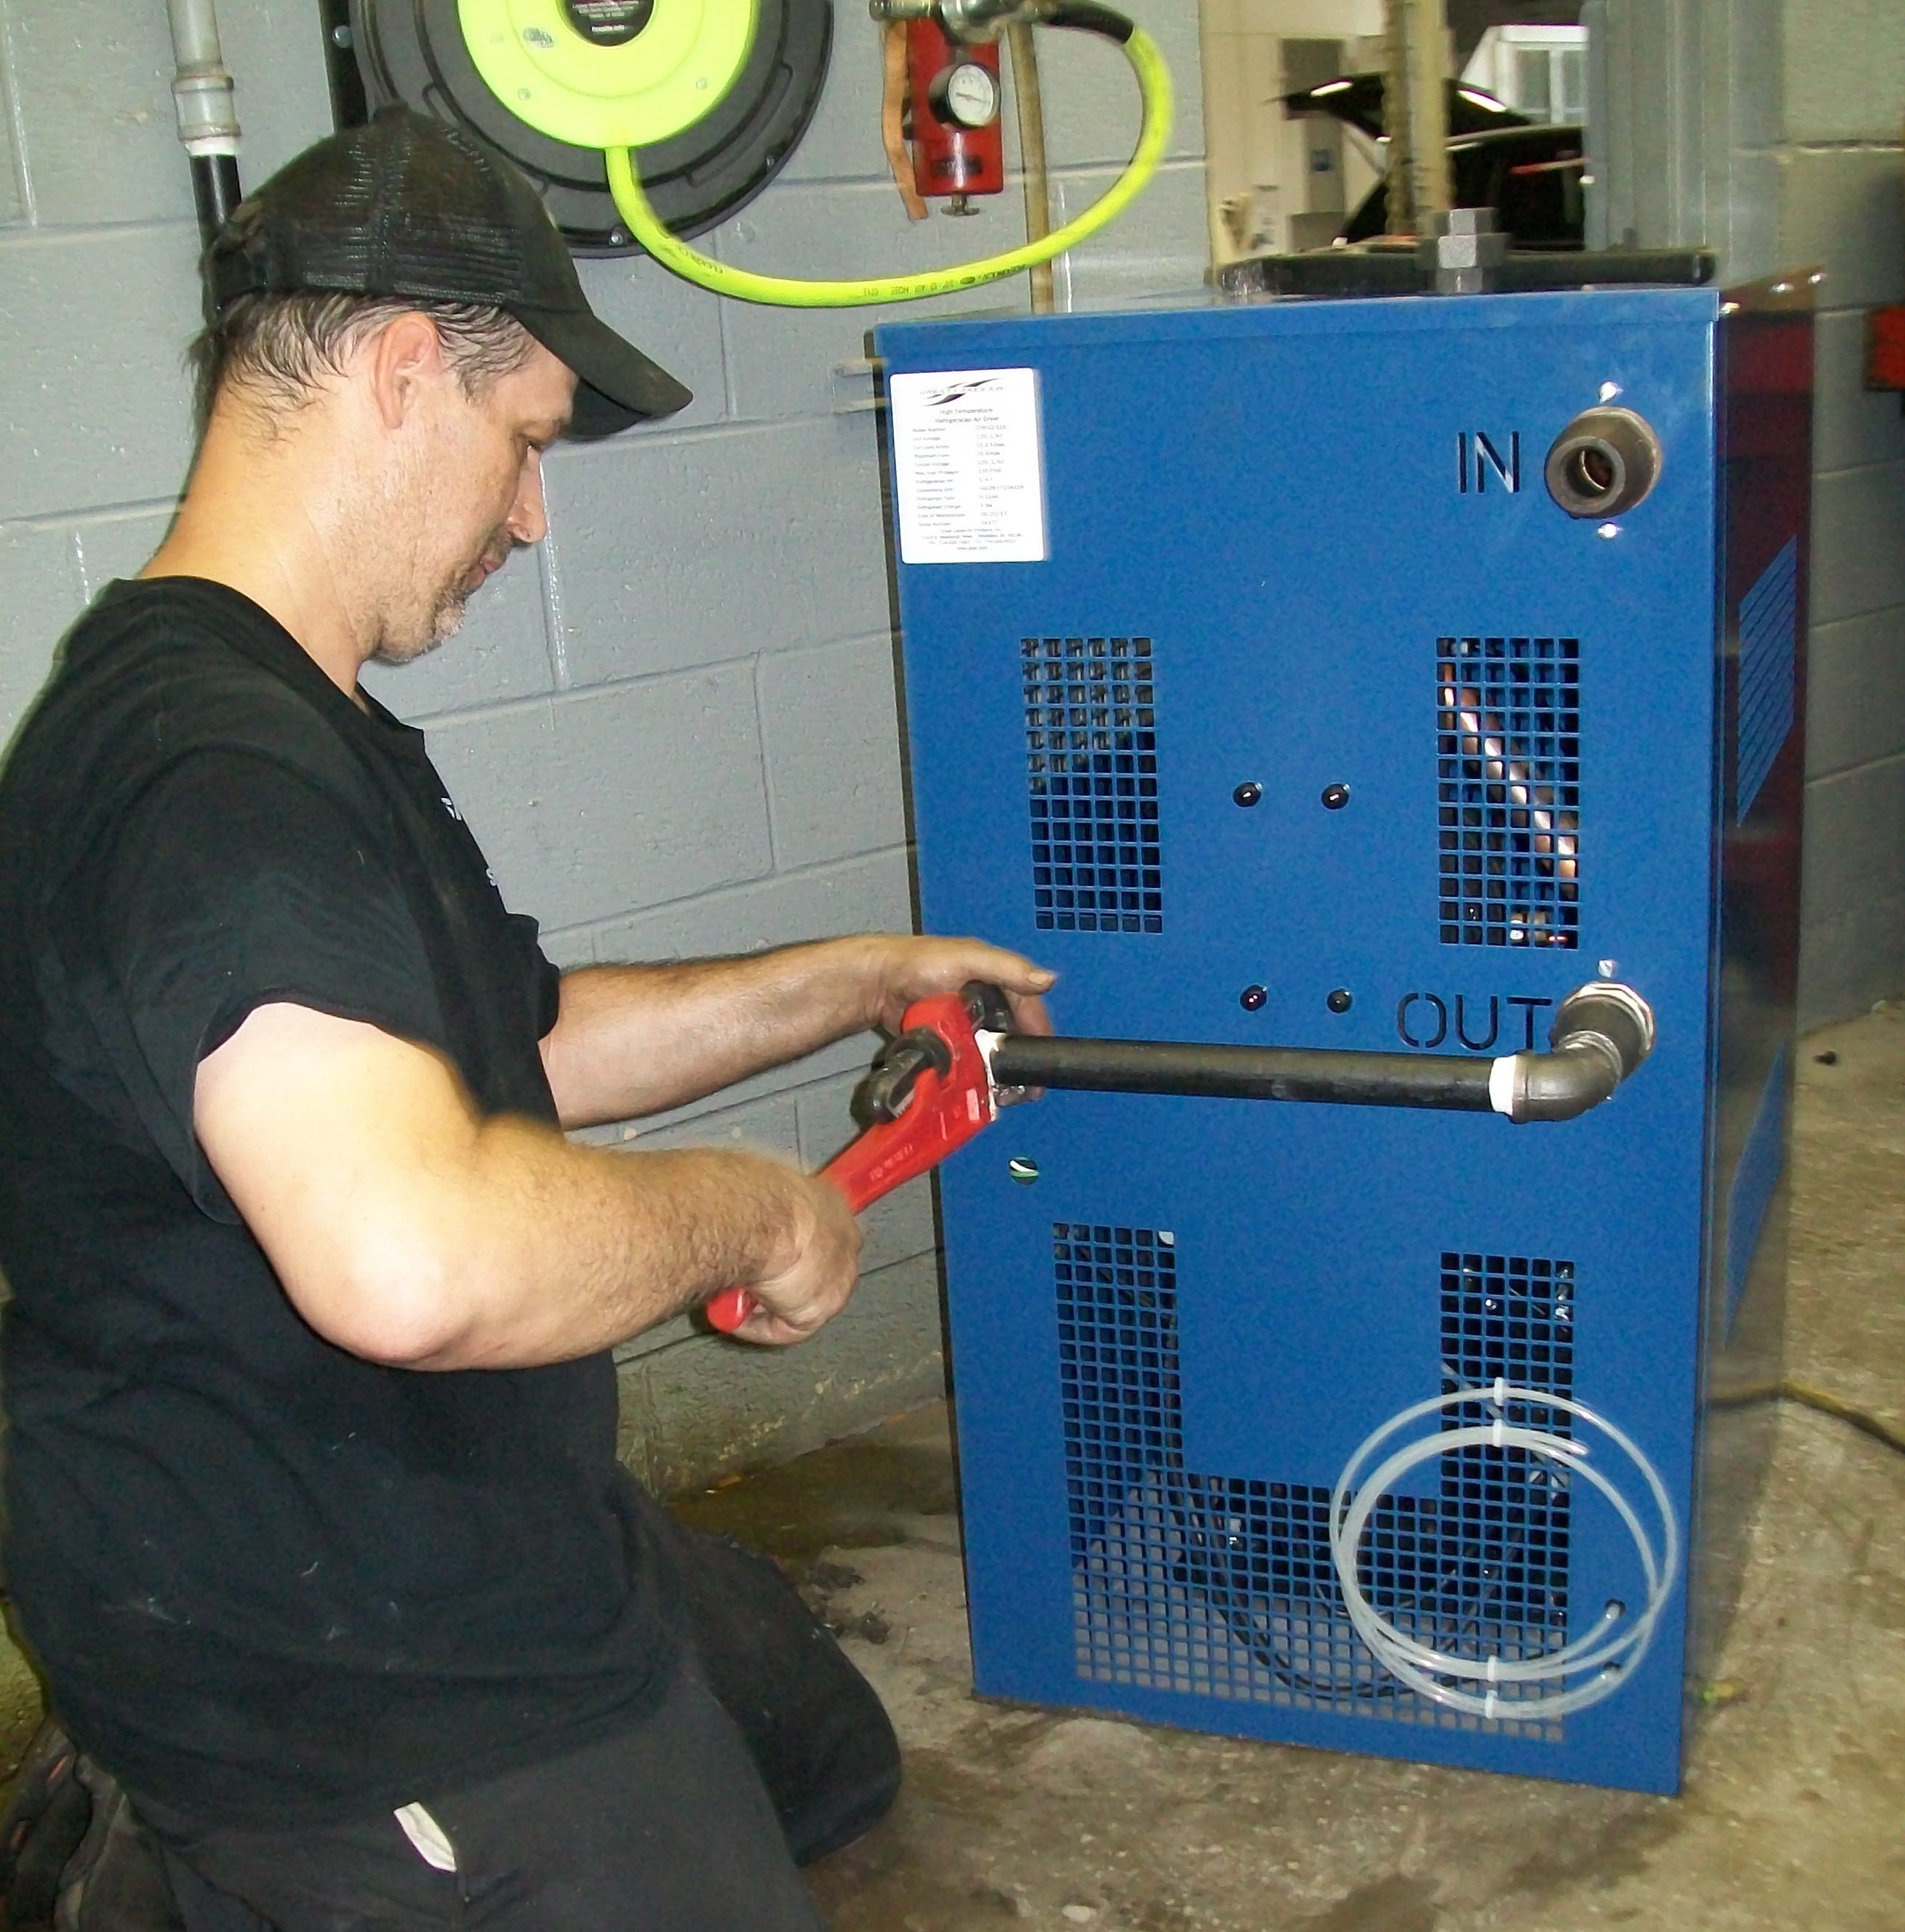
x: 1567, y: 1080
x: 1602, y: 1032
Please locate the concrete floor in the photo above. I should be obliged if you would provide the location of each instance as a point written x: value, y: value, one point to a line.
x: 1794, y: 1811
x: 1793, y: 1814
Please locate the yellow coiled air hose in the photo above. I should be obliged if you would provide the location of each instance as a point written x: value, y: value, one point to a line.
x: 789, y: 292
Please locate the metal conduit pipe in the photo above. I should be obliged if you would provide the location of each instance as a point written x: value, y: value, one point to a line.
x: 1029, y: 98
x: 1602, y: 1032
x: 203, y: 95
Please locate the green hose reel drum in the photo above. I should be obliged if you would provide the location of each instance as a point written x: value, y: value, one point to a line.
x: 714, y: 94
x: 609, y: 74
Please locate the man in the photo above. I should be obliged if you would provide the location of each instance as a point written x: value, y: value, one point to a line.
x: 315, y: 1523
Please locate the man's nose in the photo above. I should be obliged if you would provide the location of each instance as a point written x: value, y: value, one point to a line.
x: 528, y: 521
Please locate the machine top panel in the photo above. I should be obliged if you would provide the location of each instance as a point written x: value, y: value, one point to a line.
x: 954, y: 341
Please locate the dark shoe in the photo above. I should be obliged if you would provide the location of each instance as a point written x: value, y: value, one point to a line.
x: 72, y: 1857
x: 116, y: 1881
x: 42, y: 1827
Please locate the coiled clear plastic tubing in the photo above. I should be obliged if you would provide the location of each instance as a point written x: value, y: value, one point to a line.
x: 1611, y: 1650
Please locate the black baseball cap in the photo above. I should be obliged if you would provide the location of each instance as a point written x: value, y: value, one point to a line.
x: 407, y: 205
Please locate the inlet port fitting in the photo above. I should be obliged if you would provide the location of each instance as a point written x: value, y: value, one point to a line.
x: 1604, y: 463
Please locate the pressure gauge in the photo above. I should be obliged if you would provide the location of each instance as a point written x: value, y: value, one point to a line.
x: 967, y: 95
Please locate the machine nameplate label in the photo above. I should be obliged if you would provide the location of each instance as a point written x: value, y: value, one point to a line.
x: 968, y: 469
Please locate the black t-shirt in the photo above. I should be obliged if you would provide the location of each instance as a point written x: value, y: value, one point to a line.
x: 270, y: 1582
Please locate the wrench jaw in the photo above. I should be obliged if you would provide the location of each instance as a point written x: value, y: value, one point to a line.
x: 987, y: 1008
x: 988, y: 1044
x: 886, y: 1091
x: 990, y: 1013
x: 942, y: 1093
x: 935, y: 1038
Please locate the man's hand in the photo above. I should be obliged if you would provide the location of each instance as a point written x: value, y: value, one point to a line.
x: 792, y: 1301
x: 632, y: 1040
x: 900, y: 969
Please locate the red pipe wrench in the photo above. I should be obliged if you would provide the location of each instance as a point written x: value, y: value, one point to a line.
x: 930, y: 1092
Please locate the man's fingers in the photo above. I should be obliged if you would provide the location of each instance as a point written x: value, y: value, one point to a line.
x: 769, y: 1331
x: 914, y: 967
x: 806, y: 1295
x: 1019, y: 976
x: 1028, y: 1013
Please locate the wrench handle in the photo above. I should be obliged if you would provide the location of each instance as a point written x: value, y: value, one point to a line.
x: 732, y: 1305
x: 730, y: 1309
x: 946, y: 1111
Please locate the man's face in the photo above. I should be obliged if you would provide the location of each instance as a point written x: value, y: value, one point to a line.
x: 471, y: 493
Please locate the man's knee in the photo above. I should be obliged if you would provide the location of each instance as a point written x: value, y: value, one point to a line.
x: 815, y: 1727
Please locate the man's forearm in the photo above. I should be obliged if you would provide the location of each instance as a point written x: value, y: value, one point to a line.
x: 409, y: 1229
x: 548, y: 1251
x: 638, y: 1040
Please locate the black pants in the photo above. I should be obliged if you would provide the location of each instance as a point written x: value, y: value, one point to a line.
x: 769, y: 1749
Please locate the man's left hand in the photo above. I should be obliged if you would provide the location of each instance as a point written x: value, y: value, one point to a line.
x: 900, y: 969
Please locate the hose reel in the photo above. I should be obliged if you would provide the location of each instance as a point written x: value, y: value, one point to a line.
x: 644, y: 120
x: 715, y: 93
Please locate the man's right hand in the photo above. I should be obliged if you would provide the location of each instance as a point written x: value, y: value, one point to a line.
x: 795, y: 1300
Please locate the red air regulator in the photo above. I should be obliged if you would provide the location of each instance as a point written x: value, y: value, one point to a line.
x: 958, y: 130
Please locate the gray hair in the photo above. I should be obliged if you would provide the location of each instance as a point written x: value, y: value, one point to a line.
x: 283, y: 345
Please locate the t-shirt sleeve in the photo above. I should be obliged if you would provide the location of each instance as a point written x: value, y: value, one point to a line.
x: 233, y: 883
x: 549, y: 988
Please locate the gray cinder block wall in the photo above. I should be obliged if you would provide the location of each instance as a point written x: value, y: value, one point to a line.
x: 1771, y: 131
x: 1841, y: 169
x: 673, y: 726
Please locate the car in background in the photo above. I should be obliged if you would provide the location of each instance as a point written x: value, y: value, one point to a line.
x: 1529, y: 172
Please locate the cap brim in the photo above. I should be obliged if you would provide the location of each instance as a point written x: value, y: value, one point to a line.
x: 616, y: 385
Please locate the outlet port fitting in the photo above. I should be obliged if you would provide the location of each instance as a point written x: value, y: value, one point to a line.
x: 1604, y: 463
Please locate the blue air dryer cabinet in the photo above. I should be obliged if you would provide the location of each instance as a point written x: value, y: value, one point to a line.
x: 1308, y: 545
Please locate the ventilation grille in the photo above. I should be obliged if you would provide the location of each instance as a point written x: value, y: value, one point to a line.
x: 1223, y: 1587
x: 1091, y: 763
x: 1768, y: 633
x: 1508, y: 765
x: 1511, y: 1318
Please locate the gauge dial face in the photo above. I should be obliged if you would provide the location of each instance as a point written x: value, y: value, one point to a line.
x: 971, y: 95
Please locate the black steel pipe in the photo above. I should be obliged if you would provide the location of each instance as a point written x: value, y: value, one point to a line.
x: 203, y: 92
x: 1208, y: 1071
x: 1602, y: 1032
x: 215, y: 191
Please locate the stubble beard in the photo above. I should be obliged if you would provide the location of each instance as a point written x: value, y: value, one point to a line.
x: 418, y: 638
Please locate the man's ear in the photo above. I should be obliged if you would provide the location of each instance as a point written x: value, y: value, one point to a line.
x: 404, y: 357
